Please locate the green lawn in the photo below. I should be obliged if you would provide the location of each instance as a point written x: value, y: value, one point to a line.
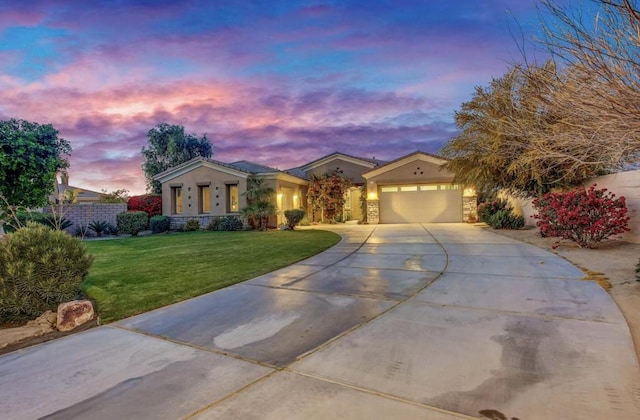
x: 134, y: 275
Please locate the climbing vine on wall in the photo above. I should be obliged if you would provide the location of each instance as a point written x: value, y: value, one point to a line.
x: 326, y: 195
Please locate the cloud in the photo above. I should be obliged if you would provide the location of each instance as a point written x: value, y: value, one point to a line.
x: 280, y: 85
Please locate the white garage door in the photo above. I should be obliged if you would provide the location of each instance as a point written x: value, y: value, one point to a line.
x: 432, y: 203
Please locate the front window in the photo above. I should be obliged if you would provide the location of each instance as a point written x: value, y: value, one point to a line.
x: 176, y: 200
x: 204, y: 199
x: 232, y: 199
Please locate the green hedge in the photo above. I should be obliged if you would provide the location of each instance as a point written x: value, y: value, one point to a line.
x: 159, y: 224
x: 132, y: 222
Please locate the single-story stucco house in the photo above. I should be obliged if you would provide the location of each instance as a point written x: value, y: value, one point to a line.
x: 413, y: 188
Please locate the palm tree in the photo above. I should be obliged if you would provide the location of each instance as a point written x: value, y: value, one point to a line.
x: 259, y: 202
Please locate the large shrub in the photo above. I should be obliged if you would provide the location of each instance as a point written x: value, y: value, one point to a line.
x: 39, y: 269
x: 132, y: 222
x: 148, y: 203
x: 583, y: 216
x: 159, y: 224
x: 294, y: 217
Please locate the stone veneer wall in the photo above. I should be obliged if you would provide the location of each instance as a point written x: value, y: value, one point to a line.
x: 176, y: 222
x: 373, y: 212
x: 85, y: 213
x: 469, y: 208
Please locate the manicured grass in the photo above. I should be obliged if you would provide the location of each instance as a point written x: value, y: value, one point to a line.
x: 134, y: 275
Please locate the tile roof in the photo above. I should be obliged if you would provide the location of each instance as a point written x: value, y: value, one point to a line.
x: 251, y: 167
x: 370, y: 160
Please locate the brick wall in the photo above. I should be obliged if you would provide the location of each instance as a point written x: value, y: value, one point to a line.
x: 83, y: 214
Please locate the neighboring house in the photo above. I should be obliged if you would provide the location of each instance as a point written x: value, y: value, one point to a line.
x: 410, y: 189
x: 82, y: 195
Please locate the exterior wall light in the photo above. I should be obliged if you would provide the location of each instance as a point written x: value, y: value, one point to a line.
x: 469, y: 192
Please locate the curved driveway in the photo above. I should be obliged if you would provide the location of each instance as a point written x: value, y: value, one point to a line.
x: 438, y: 321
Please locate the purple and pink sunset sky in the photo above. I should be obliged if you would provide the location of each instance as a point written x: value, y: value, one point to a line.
x: 275, y: 82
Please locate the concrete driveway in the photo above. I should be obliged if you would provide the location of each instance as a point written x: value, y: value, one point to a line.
x: 438, y: 321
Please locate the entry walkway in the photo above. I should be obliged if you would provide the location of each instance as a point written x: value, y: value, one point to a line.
x: 397, y: 321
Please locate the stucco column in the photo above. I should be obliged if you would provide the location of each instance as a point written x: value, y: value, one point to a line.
x: 373, y: 211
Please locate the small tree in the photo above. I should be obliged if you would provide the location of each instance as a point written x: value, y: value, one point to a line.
x: 260, y: 205
x: 586, y: 217
x: 326, y: 193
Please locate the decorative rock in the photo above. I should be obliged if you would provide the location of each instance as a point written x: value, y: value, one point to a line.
x: 44, y: 324
x: 73, y: 314
x: 46, y: 321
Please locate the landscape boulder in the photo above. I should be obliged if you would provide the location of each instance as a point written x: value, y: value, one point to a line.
x: 45, y: 322
x: 73, y: 314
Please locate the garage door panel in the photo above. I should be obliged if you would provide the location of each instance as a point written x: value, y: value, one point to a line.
x: 419, y: 205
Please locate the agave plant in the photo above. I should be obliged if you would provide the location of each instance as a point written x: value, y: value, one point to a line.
x: 98, y: 227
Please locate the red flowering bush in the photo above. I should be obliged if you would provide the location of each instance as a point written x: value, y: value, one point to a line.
x: 583, y: 216
x: 149, y: 203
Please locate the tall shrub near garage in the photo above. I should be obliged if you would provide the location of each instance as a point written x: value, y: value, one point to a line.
x: 586, y: 217
x: 498, y: 214
x: 39, y: 269
x: 148, y: 203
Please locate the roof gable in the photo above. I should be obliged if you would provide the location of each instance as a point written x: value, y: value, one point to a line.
x: 369, y: 163
x: 412, y: 157
x: 198, y: 162
x: 241, y: 169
